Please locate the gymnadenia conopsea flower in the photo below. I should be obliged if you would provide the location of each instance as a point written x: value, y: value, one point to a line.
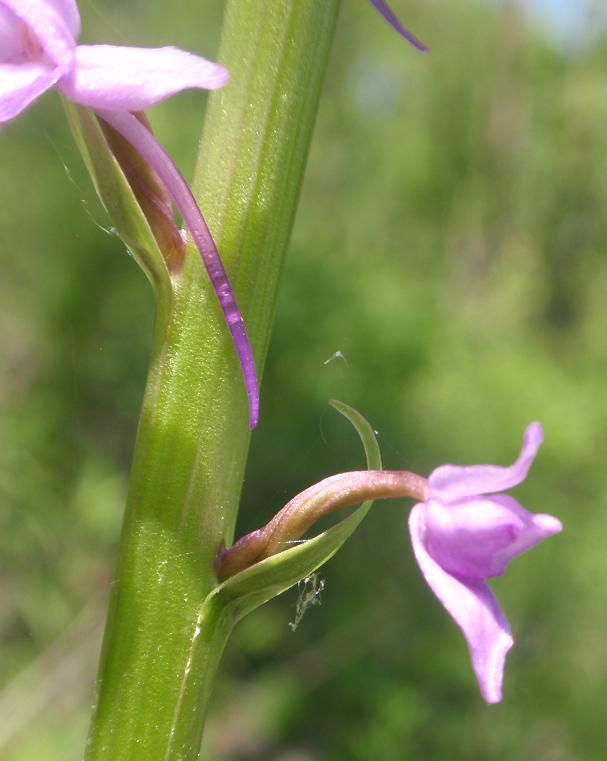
x: 38, y: 51
x: 465, y: 532
x: 463, y: 529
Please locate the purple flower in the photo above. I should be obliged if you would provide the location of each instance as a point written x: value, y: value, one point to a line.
x: 38, y: 51
x: 465, y: 533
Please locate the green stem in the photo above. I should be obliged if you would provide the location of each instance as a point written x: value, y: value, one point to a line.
x: 162, y: 642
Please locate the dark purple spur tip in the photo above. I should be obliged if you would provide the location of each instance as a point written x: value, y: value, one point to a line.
x: 382, y: 7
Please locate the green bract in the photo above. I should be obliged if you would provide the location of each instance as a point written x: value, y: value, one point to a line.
x: 250, y: 588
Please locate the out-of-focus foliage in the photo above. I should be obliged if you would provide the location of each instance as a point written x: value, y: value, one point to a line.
x: 451, y: 244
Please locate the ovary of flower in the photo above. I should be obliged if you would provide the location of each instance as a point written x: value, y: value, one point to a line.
x: 464, y: 533
x: 38, y: 51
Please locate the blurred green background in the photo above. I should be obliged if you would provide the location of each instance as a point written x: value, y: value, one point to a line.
x: 451, y: 244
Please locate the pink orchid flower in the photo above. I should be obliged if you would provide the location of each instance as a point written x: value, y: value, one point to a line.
x: 464, y: 533
x: 38, y: 51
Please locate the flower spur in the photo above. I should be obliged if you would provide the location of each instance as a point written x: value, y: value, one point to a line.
x: 382, y: 7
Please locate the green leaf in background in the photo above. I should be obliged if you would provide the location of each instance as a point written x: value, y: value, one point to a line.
x: 247, y: 590
x: 118, y: 198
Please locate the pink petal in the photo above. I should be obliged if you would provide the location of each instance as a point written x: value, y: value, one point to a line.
x: 477, y: 538
x: 134, y: 79
x: 452, y: 482
x: 49, y: 29
x: 68, y: 10
x: 11, y: 42
x: 145, y: 142
x: 20, y: 84
x: 473, y: 608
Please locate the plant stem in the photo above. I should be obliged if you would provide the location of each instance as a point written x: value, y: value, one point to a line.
x: 162, y: 645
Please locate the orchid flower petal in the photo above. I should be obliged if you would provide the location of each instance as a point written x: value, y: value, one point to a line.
x: 474, y: 609
x: 144, y: 142
x: 134, y: 79
x: 68, y: 10
x: 49, y: 29
x: 451, y: 482
x: 11, y: 40
x: 385, y: 10
x: 477, y: 538
x: 21, y: 84
x: 461, y: 538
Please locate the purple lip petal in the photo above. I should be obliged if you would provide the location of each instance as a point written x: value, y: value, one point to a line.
x: 134, y: 79
x: 385, y: 10
x: 144, y: 142
x: 452, y: 482
x: 479, y: 536
x: 472, y: 606
x: 463, y: 534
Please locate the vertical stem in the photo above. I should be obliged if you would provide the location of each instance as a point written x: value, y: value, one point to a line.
x: 162, y: 645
